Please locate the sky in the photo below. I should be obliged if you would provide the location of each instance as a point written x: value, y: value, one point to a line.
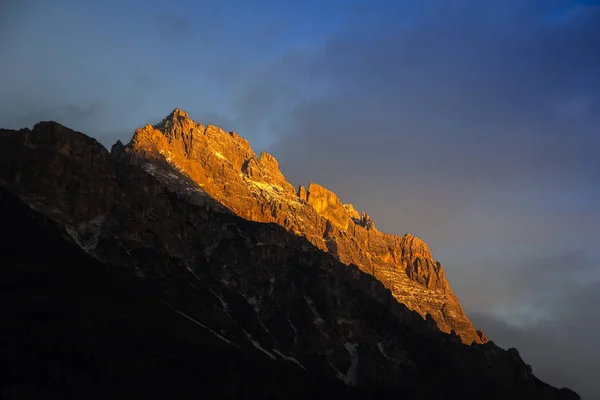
x: 473, y: 125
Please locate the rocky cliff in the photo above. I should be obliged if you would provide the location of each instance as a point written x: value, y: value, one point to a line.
x: 122, y: 275
x: 224, y: 165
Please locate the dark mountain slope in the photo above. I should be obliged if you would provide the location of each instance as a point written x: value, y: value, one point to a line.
x: 72, y: 328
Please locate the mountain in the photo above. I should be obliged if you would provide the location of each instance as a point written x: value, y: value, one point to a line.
x: 182, y: 265
x: 72, y: 328
x: 226, y: 168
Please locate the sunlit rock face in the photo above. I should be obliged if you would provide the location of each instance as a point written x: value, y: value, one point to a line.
x: 127, y: 274
x: 224, y: 165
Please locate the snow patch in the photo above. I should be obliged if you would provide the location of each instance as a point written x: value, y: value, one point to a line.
x: 294, y: 329
x: 149, y: 168
x: 311, y: 304
x: 382, y: 350
x: 206, y: 327
x: 226, y: 282
x: 223, y: 302
x: 87, y: 234
x: 173, y: 181
x: 258, y: 346
x: 266, y: 189
x: 272, y: 284
x: 350, y: 377
x: 288, y: 358
x: 193, y: 273
x: 253, y: 301
x: 164, y: 302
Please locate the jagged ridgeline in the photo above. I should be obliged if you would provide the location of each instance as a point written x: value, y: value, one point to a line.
x: 182, y: 265
x: 224, y: 166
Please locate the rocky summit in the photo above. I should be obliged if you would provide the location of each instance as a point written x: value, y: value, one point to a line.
x: 183, y: 265
x: 226, y: 168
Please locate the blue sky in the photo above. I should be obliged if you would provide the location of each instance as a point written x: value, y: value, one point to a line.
x: 474, y: 125
x: 113, y: 59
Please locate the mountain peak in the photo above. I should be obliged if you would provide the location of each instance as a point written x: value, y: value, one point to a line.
x: 175, y: 123
x: 176, y: 129
x: 178, y: 114
x: 225, y: 166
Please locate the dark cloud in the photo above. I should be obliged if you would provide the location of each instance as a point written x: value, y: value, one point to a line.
x: 74, y: 116
x: 526, y: 289
x: 563, y: 349
x: 435, y: 116
x: 456, y: 100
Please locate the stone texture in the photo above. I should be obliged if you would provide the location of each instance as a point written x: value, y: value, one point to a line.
x: 482, y: 335
x: 265, y: 298
x: 225, y: 166
x: 302, y: 193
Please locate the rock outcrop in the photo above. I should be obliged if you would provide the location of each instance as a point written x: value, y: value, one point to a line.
x: 224, y: 166
x: 123, y: 276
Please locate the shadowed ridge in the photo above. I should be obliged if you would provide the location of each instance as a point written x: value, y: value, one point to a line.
x: 105, y: 334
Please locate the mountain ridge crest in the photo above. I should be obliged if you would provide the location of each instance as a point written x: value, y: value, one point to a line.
x: 253, y: 187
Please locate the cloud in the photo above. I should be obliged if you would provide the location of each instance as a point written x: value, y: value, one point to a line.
x: 525, y: 291
x: 74, y: 116
x: 562, y: 350
x: 454, y: 100
x: 441, y: 115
